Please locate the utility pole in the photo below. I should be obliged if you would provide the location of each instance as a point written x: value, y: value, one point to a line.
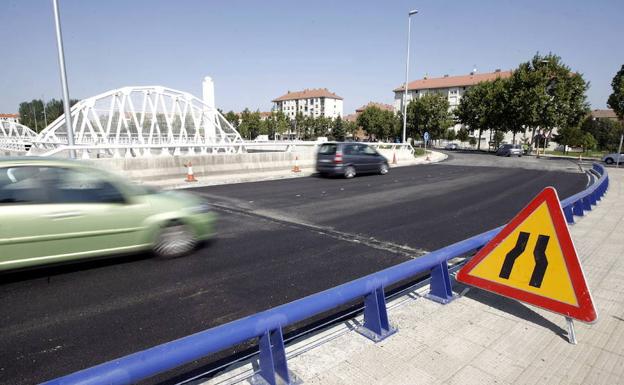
x: 63, y: 73
x: 409, y: 26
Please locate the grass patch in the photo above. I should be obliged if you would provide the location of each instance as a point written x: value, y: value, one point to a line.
x: 419, y: 152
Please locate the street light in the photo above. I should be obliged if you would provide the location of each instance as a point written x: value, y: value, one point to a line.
x: 61, y: 57
x: 409, y: 25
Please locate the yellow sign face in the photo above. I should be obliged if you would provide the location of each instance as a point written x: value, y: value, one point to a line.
x: 530, y: 259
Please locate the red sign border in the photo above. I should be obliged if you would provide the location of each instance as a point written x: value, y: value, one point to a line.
x: 585, y: 310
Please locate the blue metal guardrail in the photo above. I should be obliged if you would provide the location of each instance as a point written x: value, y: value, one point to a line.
x: 268, y: 325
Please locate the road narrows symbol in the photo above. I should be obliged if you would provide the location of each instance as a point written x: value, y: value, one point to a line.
x: 541, y: 263
x: 511, y: 257
x: 539, y: 253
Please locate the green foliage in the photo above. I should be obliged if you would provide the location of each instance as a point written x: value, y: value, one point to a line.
x: 462, y: 134
x: 472, y: 140
x: 378, y: 123
x: 250, y: 124
x: 232, y: 118
x: 616, y: 99
x: 575, y: 137
x: 498, y: 138
x: 429, y: 113
x: 338, y: 130
x: 547, y: 94
x: 449, y: 134
x: 606, y: 132
x: 32, y: 114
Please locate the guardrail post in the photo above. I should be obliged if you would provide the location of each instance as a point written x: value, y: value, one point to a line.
x: 586, y: 203
x: 376, y: 325
x: 569, y: 216
x: 273, y: 366
x: 577, y: 208
x: 441, y: 289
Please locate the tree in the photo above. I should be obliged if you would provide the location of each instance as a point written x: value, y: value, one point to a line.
x: 429, y: 113
x: 498, y: 138
x: 548, y: 95
x: 473, y: 109
x: 449, y: 134
x: 250, y: 124
x: 462, y: 135
x: 232, y: 118
x: 338, y: 130
x: 32, y: 113
x: 616, y: 99
x: 379, y: 124
x: 607, y: 132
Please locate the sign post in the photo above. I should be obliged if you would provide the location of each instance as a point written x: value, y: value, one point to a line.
x: 533, y: 260
x: 426, y: 139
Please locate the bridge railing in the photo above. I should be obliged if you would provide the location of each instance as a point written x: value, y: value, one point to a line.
x: 267, y: 326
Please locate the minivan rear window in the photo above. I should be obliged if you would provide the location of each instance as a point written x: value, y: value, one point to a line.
x: 327, y: 149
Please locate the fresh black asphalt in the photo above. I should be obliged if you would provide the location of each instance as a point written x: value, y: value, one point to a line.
x: 277, y: 241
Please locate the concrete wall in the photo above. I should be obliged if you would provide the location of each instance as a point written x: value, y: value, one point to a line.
x: 166, y: 167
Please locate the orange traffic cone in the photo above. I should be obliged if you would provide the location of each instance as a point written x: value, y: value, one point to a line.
x: 189, y: 172
x: 394, y: 159
x: 296, y: 166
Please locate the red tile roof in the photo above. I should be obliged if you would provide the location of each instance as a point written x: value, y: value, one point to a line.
x: 382, y: 106
x: 307, y: 93
x: 9, y: 116
x: 603, y: 114
x: 453, y: 81
x: 350, y: 118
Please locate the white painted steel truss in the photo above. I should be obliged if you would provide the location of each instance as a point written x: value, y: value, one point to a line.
x: 15, y: 136
x: 131, y: 121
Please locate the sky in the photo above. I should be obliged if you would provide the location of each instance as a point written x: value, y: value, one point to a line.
x: 256, y: 51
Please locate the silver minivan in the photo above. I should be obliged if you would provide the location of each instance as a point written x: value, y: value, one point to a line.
x: 509, y: 150
x: 349, y: 159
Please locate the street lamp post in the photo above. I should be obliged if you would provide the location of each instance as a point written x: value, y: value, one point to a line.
x: 409, y: 26
x: 61, y: 57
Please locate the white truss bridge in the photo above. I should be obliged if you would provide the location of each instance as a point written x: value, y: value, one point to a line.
x: 131, y: 122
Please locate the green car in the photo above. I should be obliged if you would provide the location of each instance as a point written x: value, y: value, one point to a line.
x: 55, y: 211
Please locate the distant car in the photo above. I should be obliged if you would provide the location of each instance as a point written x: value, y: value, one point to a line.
x: 349, y: 159
x: 612, y: 158
x: 451, y: 146
x: 59, y: 210
x: 509, y: 150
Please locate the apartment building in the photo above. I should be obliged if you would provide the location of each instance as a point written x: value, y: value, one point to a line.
x: 9, y: 118
x: 309, y: 102
x: 453, y: 87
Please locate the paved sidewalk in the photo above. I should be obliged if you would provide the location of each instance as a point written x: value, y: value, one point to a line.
x: 256, y: 176
x: 482, y: 338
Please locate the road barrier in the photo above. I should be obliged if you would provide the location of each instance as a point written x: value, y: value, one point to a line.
x: 267, y: 326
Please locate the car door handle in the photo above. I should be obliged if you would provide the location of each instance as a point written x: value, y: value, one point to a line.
x: 63, y: 214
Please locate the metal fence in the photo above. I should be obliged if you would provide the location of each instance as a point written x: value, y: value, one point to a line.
x: 267, y: 326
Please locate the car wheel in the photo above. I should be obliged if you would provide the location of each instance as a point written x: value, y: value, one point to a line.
x: 349, y: 172
x: 383, y: 169
x: 175, y: 239
x: 609, y: 161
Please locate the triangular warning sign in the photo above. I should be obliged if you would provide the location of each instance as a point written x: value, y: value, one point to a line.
x: 533, y: 260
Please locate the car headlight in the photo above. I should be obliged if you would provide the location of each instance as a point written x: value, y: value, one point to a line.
x: 201, y: 208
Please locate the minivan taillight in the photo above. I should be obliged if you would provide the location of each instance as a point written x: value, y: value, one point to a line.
x: 338, y: 158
